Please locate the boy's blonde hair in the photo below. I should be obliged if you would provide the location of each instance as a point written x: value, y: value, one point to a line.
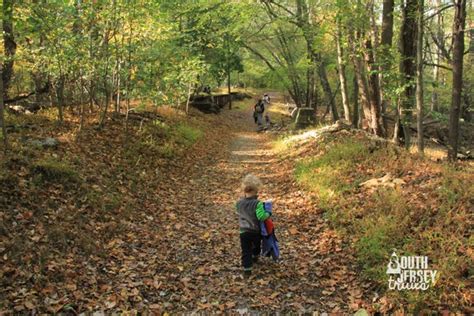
x: 251, y: 184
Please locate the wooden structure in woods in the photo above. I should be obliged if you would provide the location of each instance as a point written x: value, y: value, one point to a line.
x: 213, y: 103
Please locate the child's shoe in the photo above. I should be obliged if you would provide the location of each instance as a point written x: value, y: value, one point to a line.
x: 247, y: 273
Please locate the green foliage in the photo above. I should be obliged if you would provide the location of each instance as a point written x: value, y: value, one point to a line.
x: 429, y: 215
x: 162, y: 139
x: 325, y: 174
x: 187, y: 135
x: 155, y: 51
x: 51, y: 170
x: 167, y: 151
x: 379, y: 232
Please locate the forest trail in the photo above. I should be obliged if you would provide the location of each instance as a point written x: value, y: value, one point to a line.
x: 201, y: 269
x: 173, y: 245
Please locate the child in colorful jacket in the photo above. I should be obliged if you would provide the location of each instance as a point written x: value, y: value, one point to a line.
x: 251, y: 211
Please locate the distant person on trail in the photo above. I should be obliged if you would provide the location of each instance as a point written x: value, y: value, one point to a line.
x: 266, y: 99
x: 268, y: 123
x: 251, y: 211
x: 258, y: 110
x: 266, y: 102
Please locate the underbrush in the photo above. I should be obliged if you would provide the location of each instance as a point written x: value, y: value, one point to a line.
x: 60, y: 207
x: 428, y: 215
x: 165, y: 140
x: 52, y: 170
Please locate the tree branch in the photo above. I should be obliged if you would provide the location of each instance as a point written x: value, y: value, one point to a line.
x: 438, y: 12
x: 256, y: 53
x: 437, y: 65
x: 270, y: 2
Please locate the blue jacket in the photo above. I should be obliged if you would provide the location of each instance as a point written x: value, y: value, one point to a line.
x: 269, y: 243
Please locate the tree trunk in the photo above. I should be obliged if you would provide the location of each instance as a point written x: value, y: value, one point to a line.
x: 310, y: 77
x: 304, y: 22
x: 107, y: 90
x: 419, y: 78
x: 326, y: 87
x: 106, y: 104
x: 83, y: 106
x: 397, y: 128
x: 437, y: 60
x: 129, y: 71
x: 434, y: 94
x: 117, y: 87
x: 360, y: 77
x: 387, y: 27
x: 342, y: 75
x: 9, y: 45
x: 2, y: 113
x: 363, y: 92
x: 385, y: 55
x: 407, y: 66
x: 458, y: 52
x: 228, y: 87
x: 355, y: 111
x: 60, y: 98
x: 189, y: 97
x: 374, y: 91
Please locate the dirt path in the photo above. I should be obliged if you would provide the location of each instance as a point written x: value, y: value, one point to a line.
x: 199, y: 267
x: 176, y: 247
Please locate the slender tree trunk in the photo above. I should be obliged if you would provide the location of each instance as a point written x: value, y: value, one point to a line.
x: 60, y: 98
x: 39, y: 76
x: 82, y: 102
x: 304, y: 22
x: 293, y: 75
x: 92, y: 56
x: 437, y: 60
x: 385, y: 55
x: 2, y: 113
x: 360, y: 76
x: 326, y: 87
x: 468, y: 85
x: 188, y: 99
x: 434, y: 94
x: 310, y: 76
x: 9, y: 45
x: 342, y: 75
x: 355, y: 111
x: 129, y: 71
x: 117, y: 88
x: 118, y: 59
x: 228, y: 87
x: 419, y: 78
x: 374, y: 91
x: 407, y: 66
x: 397, y: 128
x: 363, y: 92
x: 458, y: 52
x: 83, y: 107
x: 106, y: 80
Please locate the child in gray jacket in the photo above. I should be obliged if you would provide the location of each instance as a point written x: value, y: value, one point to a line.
x: 250, y: 210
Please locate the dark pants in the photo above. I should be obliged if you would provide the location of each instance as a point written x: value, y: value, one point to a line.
x: 251, y: 245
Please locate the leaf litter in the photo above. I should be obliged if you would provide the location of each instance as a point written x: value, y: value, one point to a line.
x: 168, y: 240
